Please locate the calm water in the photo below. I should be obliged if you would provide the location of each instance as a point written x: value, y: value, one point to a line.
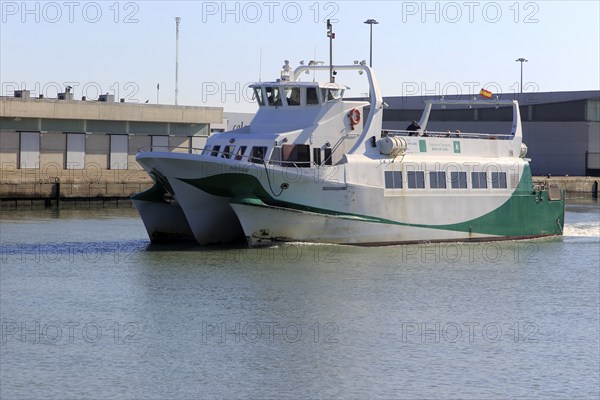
x: 90, y: 310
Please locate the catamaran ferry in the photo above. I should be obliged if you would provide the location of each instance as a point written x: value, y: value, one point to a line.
x: 316, y: 167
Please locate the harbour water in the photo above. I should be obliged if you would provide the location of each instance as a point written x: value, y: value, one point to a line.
x: 90, y: 310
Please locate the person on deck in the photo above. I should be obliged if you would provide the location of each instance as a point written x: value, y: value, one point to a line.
x: 413, y: 128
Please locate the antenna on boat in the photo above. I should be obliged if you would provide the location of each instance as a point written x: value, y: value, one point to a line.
x: 260, y: 65
x: 315, y: 57
x: 331, y: 36
x: 177, y: 21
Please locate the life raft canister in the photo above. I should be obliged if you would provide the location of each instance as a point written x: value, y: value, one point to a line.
x: 392, y: 146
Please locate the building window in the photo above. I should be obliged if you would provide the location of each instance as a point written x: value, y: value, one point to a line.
x: 29, y: 155
x: 458, y: 180
x: 75, y: 151
x: 437, y: 180
x: 478, y: 180
x: 160, y: 143
x: 118, y: 151
x: 393, y: 179
x: 416, y: 179
x: 499, y: 180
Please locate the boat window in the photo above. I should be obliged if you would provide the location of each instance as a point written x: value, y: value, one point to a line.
x: 240, y: 152
x: 393, y: 179
x: 206, y: 150
x: 317, y: 156
x: 312, y: 97
x: 227, y: 151
x: 293, y: 96
x: 416, y: 179
x: 258, y: 154
x: 258, y: 96
x: 478, y: 180
x: 499, y: 180
x: 215, y: 151
x: 327, y: 155
x: 296, y: 155
x: 437, y: 180
x: 458, y: 180
x: 273, y: 96
x: 332, y: 94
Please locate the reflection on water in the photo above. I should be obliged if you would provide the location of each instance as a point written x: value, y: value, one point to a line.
x: 91, y: 310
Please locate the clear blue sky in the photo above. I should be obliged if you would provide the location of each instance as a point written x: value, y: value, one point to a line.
x: 127, y: 48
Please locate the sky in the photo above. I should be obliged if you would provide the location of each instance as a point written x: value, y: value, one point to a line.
x: 128, y: 48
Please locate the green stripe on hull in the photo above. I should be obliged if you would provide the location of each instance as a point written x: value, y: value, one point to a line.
x: 524, y: 214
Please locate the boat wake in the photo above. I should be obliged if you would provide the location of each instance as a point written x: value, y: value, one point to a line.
x: 583, y: 229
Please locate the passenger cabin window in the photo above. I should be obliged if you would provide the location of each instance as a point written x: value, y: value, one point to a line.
x: 258, y: 154
x: 416, y: 179
x: 499, y: 180
x: 273, y: 96
x: 393, y: 179
x: 259, y: 96
x: 240, y: 152
x: 312, y: 97
x: 327, y: 154
x: 206, y: 150
x: 458, y: 180
x: 227, y: 150
x: 296, y: 155
x: 437, y: 180
x: 478, y: 180
x: 215, y: 151
x: 317, y: 156
x: 292, y: 96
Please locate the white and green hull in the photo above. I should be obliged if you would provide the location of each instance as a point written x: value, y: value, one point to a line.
x: 320, y: 205
x: 308, y: 168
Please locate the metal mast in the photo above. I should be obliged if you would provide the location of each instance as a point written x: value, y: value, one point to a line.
x: 331, y: 36
x: 177, y: 21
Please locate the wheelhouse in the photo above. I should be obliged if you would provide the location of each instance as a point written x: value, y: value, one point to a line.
x: 296, y: 94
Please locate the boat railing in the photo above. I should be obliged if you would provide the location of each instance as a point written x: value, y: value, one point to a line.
x: 446, y: 134
x: 231, y: 155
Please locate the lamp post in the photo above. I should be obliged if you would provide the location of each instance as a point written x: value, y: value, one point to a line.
x: 371, y: 22
x: 521, y: 60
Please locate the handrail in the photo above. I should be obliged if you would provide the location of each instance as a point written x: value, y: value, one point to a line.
x: 447, y: 134
x: 208, y: 151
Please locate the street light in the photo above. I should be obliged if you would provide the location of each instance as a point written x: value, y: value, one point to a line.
x: 521, y: 60
x: 371, y: 22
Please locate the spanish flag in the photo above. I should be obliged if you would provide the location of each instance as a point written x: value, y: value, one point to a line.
x: 485, y: 93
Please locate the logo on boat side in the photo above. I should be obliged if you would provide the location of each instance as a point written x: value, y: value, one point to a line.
x: 456, y: 146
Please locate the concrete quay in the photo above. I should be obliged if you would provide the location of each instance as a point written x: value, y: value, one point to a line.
x: 66, y: 188
x: 576, y: 186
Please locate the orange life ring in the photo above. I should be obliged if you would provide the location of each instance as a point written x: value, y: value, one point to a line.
x: 354, y: 117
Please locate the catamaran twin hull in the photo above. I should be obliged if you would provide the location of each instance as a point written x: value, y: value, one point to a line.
x: 351, y: 203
